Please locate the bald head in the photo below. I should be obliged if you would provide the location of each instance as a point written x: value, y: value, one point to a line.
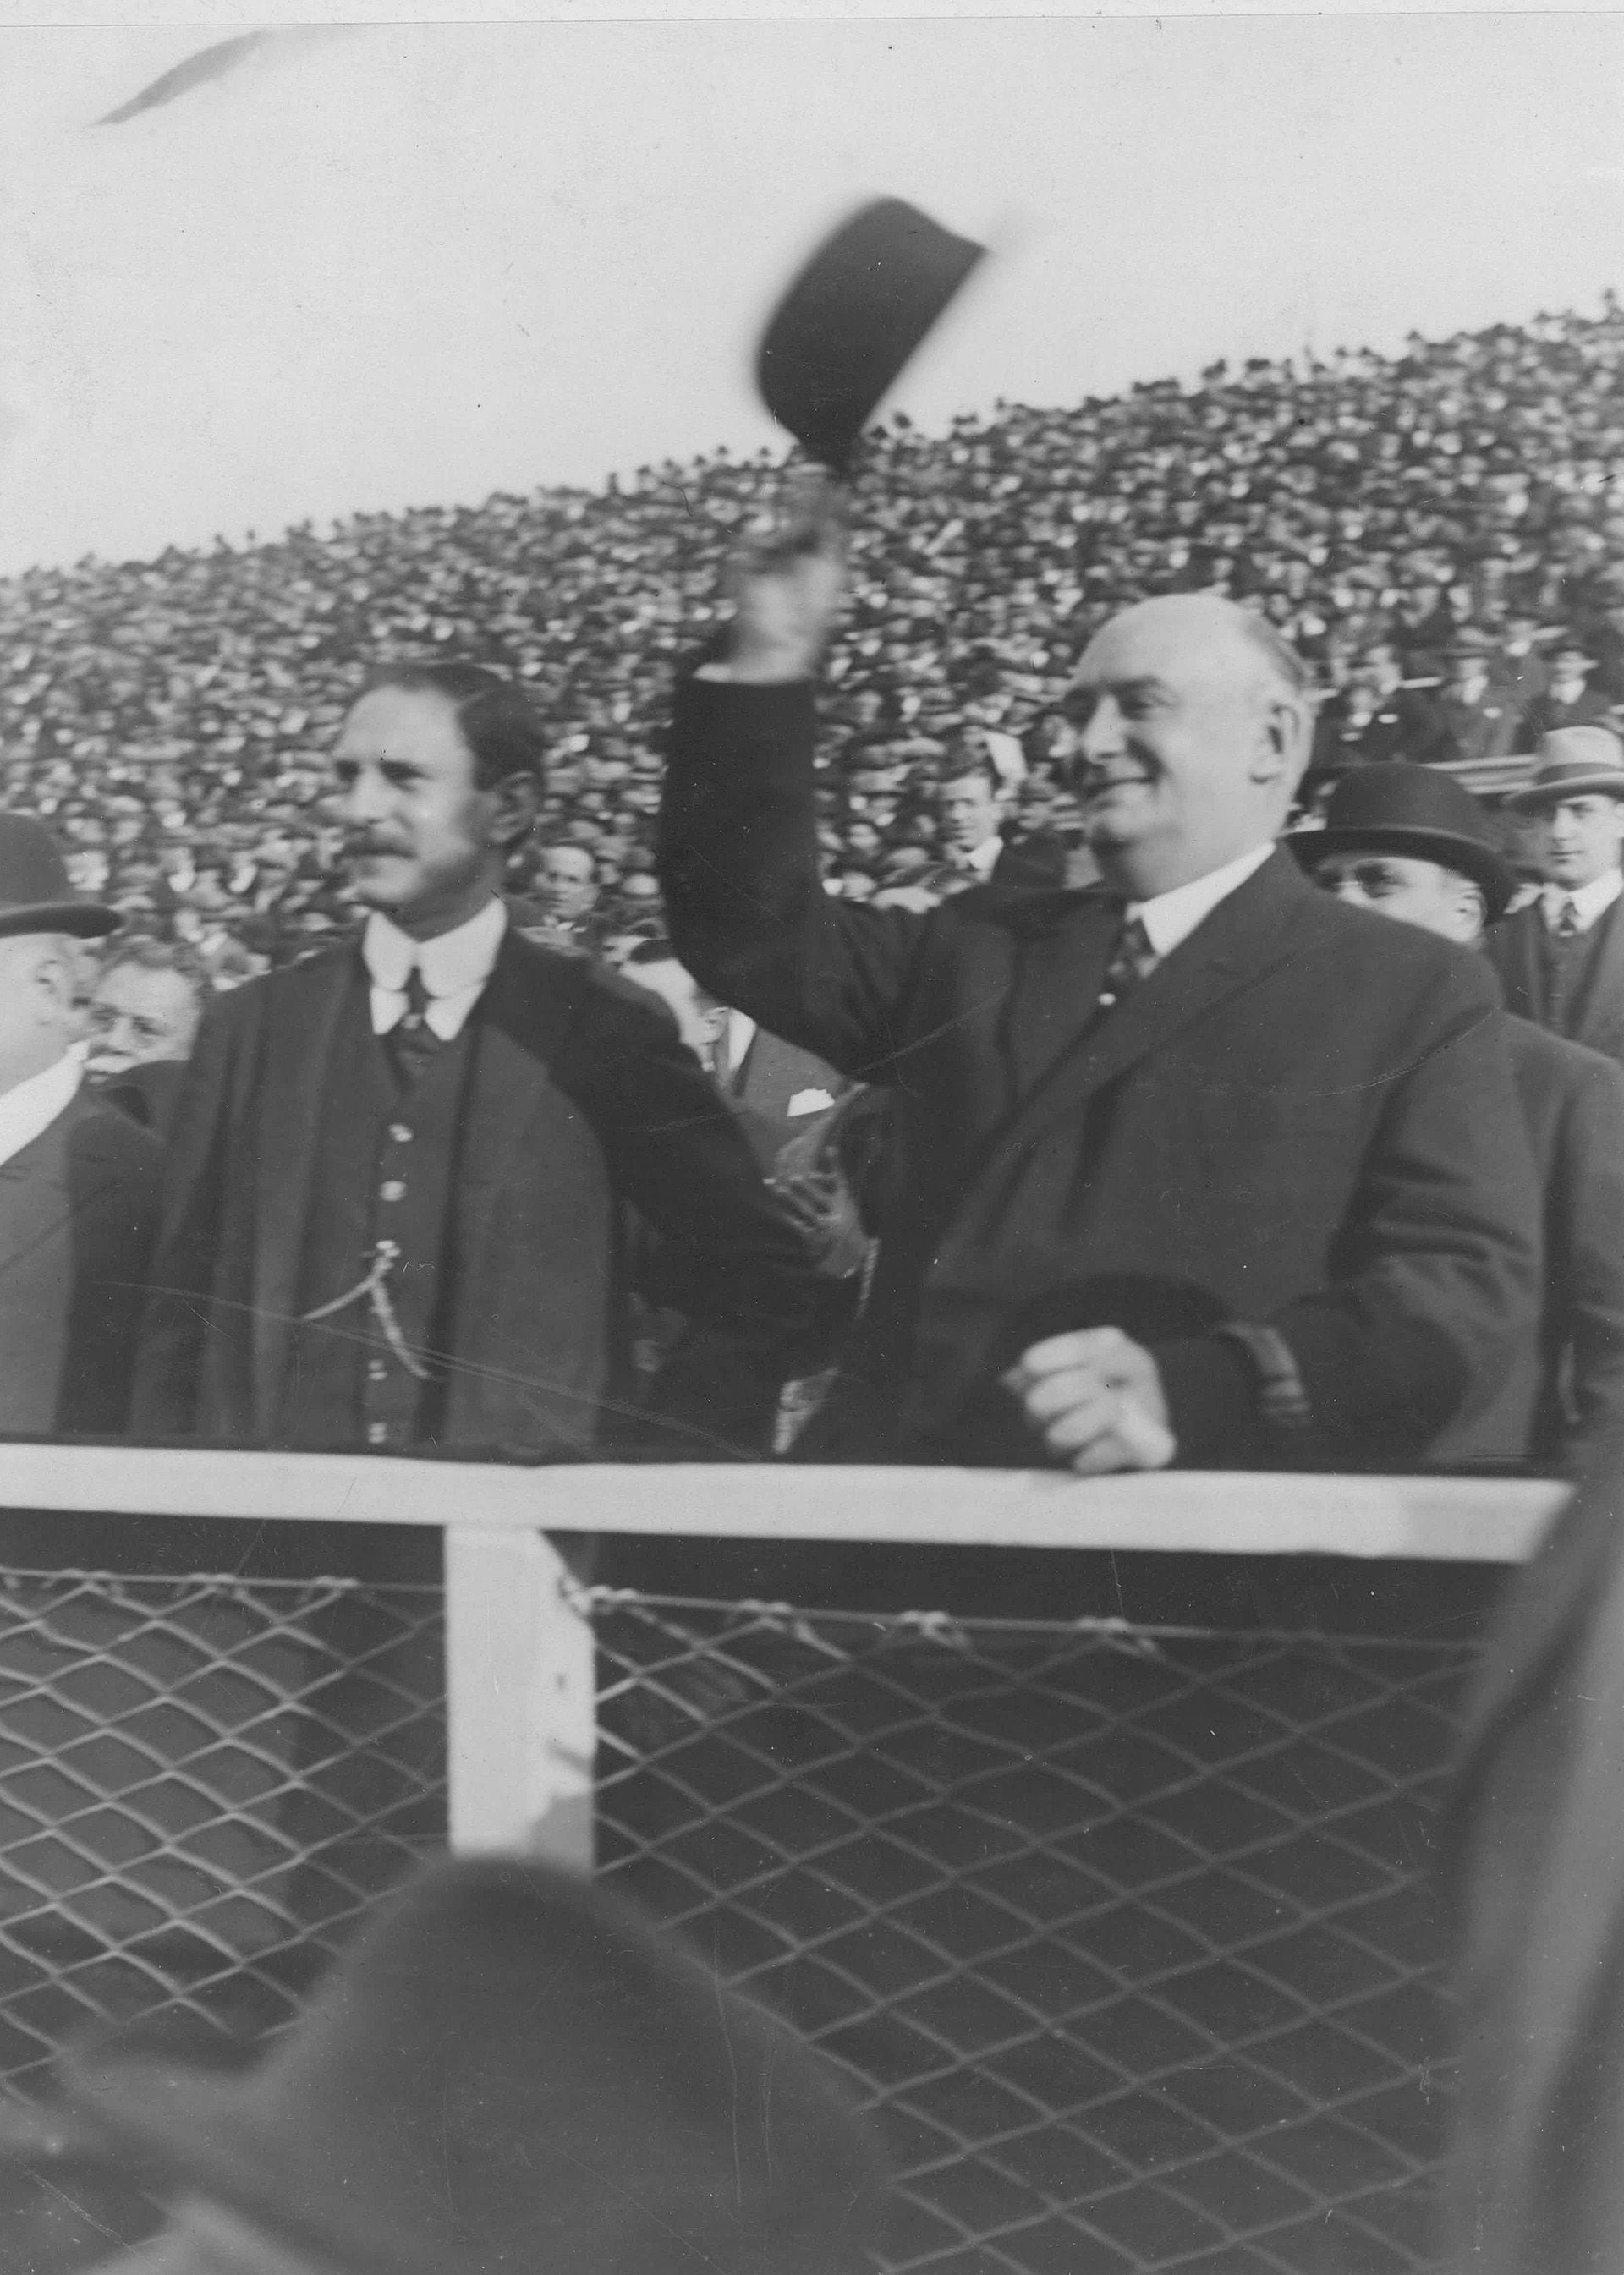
x: 1194, y: 723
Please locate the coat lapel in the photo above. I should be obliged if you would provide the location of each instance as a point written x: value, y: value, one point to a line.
x: 1597, y: 1019
x: 303, y: 1020
x: 524, y: 1017
x: 1245, y: 936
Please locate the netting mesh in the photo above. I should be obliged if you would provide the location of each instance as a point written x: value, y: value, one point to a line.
x: 202, y: 1782
x: 1127, y: 1933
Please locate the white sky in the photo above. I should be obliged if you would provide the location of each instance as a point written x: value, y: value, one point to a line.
x: 412, y: 264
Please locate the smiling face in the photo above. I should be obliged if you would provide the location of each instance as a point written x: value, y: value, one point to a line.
x: 1190, y: 743
x: 423, y: 841
x: 1582, y: 839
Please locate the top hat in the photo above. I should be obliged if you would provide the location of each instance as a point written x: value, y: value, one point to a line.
x: 508, y: 2070
x: 36, y: 894
x: 850, y: 320
x: 1395, y: 807
x: 1571, y: 762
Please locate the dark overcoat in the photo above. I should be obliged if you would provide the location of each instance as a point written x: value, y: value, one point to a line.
x: 79, y: 1208
x: 582, y: 1105
x: 1303, y: 1117
x: 1536, y: 1875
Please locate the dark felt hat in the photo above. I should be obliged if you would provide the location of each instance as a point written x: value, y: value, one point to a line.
x: 854, y: 315
x: 1395, y: 807
x: 36, y: 894
x: 1573, y: 762
x: 508, y: 2070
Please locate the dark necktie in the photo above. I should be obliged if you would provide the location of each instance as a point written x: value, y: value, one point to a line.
x: 1132, y: 960
x: 412, y: 1042
x: 1568, y: 921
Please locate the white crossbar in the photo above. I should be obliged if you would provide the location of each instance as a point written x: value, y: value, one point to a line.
x: 1455, y: 1519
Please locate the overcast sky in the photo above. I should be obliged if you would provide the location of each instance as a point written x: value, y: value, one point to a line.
x: 413, y: 264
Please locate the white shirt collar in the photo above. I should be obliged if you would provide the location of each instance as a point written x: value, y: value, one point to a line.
x: 31, y: 1106
x: 455, y: 966
x: 1172, y: 917
x: 1589, y: 901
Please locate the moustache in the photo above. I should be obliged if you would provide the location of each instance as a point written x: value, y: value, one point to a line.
x: 361, y: 849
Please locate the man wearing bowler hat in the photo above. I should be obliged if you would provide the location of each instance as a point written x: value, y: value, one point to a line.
x: 1561, y: 959
x: 1413, y: 844
x: 1158, y: 1204
x: 78, y: 1181
x: 509, y: 2072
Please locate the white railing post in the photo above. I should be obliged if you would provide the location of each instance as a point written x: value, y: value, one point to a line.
x: 520, y: 1697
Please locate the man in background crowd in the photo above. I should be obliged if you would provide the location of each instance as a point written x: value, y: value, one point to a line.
x: 399, y: 1169
x: 1377, y: 717
x: 78, y: 1181
x: 509, y: 2069
x: 1478, y: 711
x: 972, y: 805
x: 1411, y: 843
x: 1572, y: 697
x: 566, y: 891
x: 1561, y: 959
x: 1158, y: 1205
x: 145, y: 1008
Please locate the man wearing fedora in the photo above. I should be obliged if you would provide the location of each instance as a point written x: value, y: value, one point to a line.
x: 1413, y: 844
x: 1561, y: 959
x: 400, y: 1192
x: 78, y: 1181
x: 1157, y: 1204
x: 509, y: 2070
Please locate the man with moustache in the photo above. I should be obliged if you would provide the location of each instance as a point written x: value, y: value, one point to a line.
x: 400, y: 1170
x: 1158, y: 1206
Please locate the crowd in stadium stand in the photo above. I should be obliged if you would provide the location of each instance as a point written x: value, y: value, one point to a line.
x: 170, y: 719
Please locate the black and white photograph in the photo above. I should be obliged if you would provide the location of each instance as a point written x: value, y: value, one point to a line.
x: 811, y: 1146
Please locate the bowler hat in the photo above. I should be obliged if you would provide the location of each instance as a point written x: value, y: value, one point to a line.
x: 1573, y: 762
x: 852, y: 319
x: 509, y: 2069
x: 1395, y: 807
x: 36, y: 894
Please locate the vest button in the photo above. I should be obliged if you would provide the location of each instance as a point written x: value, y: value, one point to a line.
x: 376, y: 1371
x: 392, y: 1189
x: 399, y: 1135
x: 376, y: 1432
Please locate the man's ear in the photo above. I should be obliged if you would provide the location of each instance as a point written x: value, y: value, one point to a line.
x: 514, y: 801
x: 1282, y: 737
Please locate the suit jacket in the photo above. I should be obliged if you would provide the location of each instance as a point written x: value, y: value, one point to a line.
x: 1535, y: 1875
x: 148, y: 1093
x: 1596, y: 1015
x: 772, y: 1077
x: 1490, y: 728
x: 581, y: 1101
x: 1406, y: 724
x: 1219, y: 1147
x: 79, y: 1208
x: 1568, y: 1391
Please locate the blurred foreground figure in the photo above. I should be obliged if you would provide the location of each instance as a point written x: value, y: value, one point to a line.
x: 400, y: 1170
x: 79, y: 1181
x: 1411, y: 843
x: 1199, y: 1168
x: 509, y: 2072
x: 1537, y: 1864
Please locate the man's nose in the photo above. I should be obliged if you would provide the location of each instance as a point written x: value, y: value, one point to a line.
x: 1101, y: 733
x: 1349, y: 889
x: 359, y: 798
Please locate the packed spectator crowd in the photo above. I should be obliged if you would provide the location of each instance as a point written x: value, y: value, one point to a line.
x: 170, y: 719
